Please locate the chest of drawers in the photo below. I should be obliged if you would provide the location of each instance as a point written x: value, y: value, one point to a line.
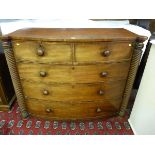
x: 73, y: 73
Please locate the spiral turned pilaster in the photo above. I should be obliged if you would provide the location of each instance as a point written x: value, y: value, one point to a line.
x: 14, y: 76
x: 132, y: 73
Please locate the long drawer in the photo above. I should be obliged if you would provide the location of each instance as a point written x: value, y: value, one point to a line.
x: 65, y: 92
x: 52, y: 52
x: 76, y: 110
x: 79, y: 74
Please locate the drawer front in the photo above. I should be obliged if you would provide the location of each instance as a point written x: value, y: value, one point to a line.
x: 78, y: 74
x: 102, y: 52
x: 65, y: 92
x: 62, y: 110
x: 46, y: 52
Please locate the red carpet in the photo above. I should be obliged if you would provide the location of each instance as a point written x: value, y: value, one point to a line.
x: 11, y: 123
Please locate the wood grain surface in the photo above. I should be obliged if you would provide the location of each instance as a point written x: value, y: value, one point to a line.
x: 75, y: 110
x: 63, y: 92
x: 73, y: 34
x: 73, y: 74
x: 94, y: 52
x: 53, y: 52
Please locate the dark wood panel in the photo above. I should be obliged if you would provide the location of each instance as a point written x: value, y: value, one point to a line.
x: 7, y: 94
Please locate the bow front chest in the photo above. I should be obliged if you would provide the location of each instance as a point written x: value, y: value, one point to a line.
x: 72, y: 73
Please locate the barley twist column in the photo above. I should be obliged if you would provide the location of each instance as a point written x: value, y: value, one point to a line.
x: 14, y: 76
x: 132, y: 73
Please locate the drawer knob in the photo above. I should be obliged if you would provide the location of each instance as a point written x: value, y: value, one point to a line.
x: 103, y: 74
x: 40, y: 51
x: 98, y: 110
x: 101, y: 92
x: 48, y: 110
x: 45, y: 92
x: 105, y: 53
x: 43, y: 74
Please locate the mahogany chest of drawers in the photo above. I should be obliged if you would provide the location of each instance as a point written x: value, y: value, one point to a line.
x: 73, y: 73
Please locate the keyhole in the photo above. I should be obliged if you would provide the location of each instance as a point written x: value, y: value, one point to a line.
x: 73, y: 67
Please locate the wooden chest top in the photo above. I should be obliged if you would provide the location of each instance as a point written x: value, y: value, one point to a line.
x: 71, y: 34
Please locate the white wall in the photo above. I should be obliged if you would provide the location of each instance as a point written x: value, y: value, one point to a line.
x: 142, y: 118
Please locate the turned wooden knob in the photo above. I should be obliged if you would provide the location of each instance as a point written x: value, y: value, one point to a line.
x: 43, y: 74
x: 40, y: 51
x: 105, y: 53
x: 103, y: 74
x: 48, y: 110
x: 101, y: 92
x: 45, y: 92
x: 98, y: 110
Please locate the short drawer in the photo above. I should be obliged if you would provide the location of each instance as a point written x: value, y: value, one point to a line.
x: 65, y: 92
x: 79, y: 74
x: 113, y: 51
x: 45, y: 52
x: 76, y: 110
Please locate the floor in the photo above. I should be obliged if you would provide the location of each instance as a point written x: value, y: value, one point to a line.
x: 11, y: 123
